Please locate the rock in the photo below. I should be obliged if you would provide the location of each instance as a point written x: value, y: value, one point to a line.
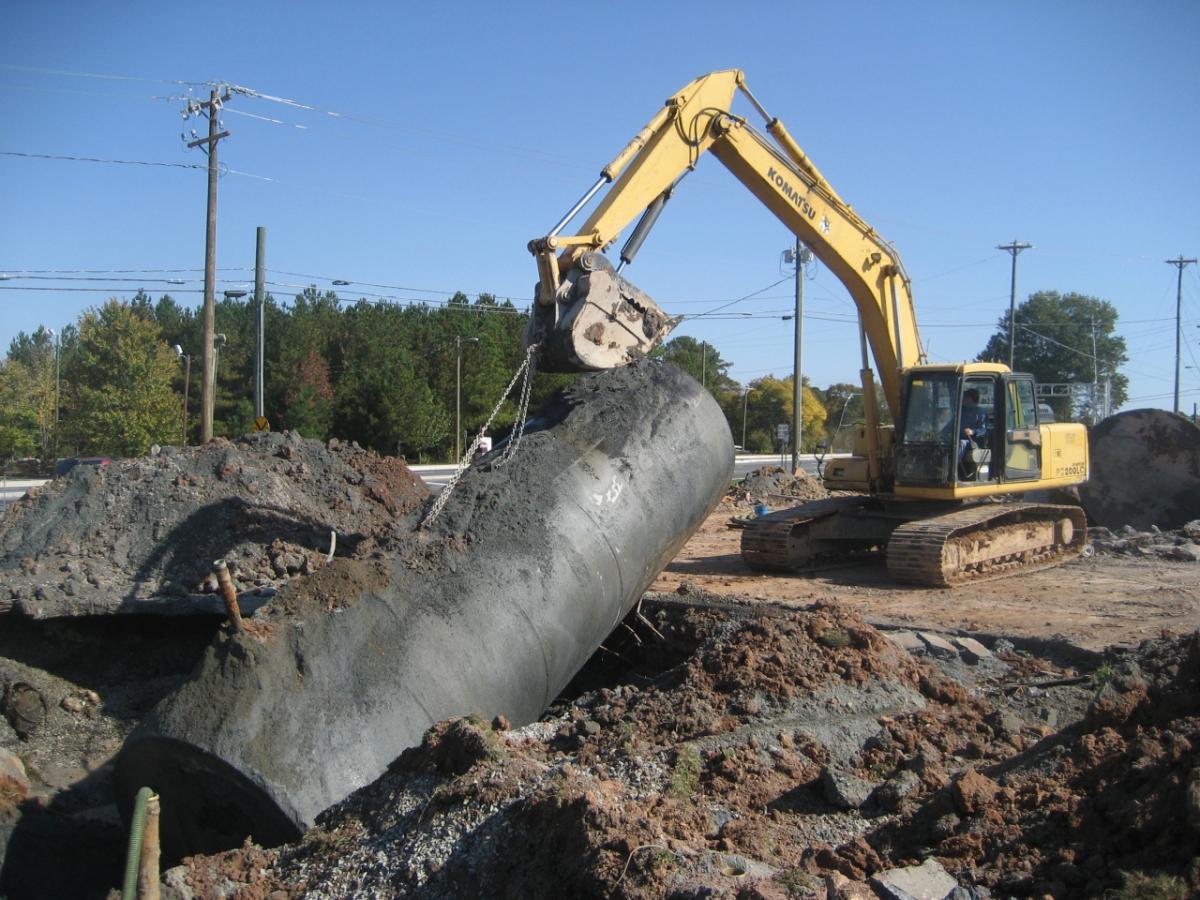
x: 839, y: 887
x: 1181, y: 552
x: 1049, y: 715
x: 928, y: 881
x: 1193, y: 798
x: 1009, y: 724
x: 973, y: 792
x: 176, y: 880
x: 844, y: 790
x: 24, y: 707
x: 892, y: 793
x: 14, y: 783
x: 938, y: 645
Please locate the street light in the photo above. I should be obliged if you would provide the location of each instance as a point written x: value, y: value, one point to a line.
x: 218, y: 343
x: 458, y: 340
x: 799, y: 256
x: 57, y: 348
x: 745, y: 404
x: 187, y: 380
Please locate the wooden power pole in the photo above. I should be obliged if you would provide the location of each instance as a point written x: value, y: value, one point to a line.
x: 209, y: 108
x: 1179, y: 263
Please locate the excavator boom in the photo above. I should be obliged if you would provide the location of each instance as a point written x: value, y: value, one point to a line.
x: 930, y: 488
x: 591, y: 329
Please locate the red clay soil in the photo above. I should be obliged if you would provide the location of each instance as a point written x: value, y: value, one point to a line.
x: 698, y: 771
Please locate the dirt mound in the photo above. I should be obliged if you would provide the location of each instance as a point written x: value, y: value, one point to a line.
x: 724, y: 746
x: 1115, y: 798
x: 774, y: 485
x: 111, y: 538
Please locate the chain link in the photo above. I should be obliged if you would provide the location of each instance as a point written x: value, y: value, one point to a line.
x: 526, y: 368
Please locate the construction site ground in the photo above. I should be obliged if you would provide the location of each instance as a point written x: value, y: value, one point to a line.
x: 818, y: 734
x: 1095, y: 602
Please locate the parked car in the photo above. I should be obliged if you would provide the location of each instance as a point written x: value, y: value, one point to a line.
x: 64, y: 466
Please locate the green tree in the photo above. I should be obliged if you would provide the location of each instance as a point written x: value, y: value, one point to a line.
x: 845, y: 409
x: 19, y: 424
x: 122, y: 375
x: 32, y: 358
x: 768, y: 402
x: 1054, y: 340
x: 700, y: 359
x: 384, y: 400
x: 310, y: 398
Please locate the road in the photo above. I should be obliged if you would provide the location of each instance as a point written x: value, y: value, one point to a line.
x: 14, y: 488
x: 436, y: 476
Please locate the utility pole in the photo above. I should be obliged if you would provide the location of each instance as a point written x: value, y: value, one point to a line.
x: 800, y: 256
x: 210, y: 109
x: 1180, y: 263
x: 1015, y: 249
x: 259, y: 262
x: 458, y: 341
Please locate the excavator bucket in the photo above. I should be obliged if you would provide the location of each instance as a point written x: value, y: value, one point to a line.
x: 598, y: 321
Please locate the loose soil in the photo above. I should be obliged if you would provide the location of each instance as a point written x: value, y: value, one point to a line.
x: 1119, y: 596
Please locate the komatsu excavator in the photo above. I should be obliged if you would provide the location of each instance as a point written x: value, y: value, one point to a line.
x: 945, y: 508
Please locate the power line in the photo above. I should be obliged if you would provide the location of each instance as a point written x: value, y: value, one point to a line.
x: 42, y: 70
x: 123, y: 162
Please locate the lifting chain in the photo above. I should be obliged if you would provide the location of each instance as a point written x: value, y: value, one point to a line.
x: 527, y: 369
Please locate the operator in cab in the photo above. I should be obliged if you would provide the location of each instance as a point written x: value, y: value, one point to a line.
x: 973, y: 430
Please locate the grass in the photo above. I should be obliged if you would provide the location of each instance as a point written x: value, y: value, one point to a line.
x: 1141, y: 886
x: 685, y: 776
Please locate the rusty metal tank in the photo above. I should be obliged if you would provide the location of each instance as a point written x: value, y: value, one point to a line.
x: 490, y: 610
x: 1145, y: 470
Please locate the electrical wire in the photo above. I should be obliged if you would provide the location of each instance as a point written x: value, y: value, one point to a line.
x: 124, y: 162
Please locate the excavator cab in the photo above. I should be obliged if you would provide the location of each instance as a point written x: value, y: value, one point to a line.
x: 967, y: 426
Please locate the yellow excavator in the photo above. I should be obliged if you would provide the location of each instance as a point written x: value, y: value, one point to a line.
x: 938, y: 489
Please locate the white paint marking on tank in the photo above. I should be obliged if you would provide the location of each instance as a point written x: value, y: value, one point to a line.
x: 611, y: 495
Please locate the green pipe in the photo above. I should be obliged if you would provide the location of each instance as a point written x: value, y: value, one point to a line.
x: 133, y: 855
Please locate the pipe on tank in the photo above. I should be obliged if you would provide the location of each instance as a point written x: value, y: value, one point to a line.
x: 490, y: 611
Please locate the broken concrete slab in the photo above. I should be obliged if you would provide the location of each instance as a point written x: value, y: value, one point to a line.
x: 938, y: 645
x: 928, y: 881
x: 907, y: 641
x: 973, y: 646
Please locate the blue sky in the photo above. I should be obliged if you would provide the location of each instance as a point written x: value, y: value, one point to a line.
x: 467, y: 129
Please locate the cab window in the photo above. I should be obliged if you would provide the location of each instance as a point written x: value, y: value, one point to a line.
x: 929, y: 413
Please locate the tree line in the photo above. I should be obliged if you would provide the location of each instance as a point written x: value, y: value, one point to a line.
x: 385, y: 375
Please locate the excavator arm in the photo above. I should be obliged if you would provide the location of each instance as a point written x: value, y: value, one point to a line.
x: 586, y: 316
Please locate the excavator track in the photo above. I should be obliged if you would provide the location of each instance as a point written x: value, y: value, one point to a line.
x: 987, y: 541
x: 782, y: 540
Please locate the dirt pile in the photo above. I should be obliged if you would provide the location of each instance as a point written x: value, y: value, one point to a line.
x: 1113, y: 799
x: 728, y: 751
x: 775, y: 486
x: 1181, y: 544
x: 141, y: 535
